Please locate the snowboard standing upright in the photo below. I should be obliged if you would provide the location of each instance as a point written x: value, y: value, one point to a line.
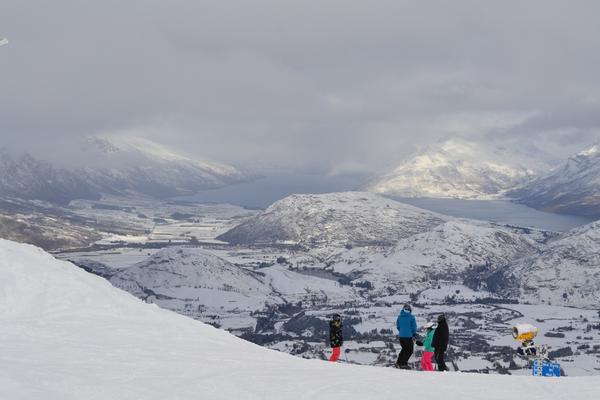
x: 336, y: 338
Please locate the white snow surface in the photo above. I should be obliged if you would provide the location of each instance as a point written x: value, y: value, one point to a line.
x: 458, y: 168
x: 66, y: 334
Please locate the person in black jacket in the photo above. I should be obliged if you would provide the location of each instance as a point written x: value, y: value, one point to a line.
x: 336, y: 338
x: 440, y: 342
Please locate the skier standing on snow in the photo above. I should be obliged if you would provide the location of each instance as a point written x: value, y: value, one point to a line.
x: 440, y: 342
x: 407, y: 331
x: 428, y: 350
x: 336, y: 339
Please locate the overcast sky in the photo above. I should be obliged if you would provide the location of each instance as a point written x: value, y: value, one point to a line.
x: 325, y: 86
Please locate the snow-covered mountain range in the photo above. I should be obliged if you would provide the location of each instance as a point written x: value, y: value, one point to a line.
x: 29, y: 178
x: 571, y: 188
x: 68, y: 334
x: 457, y: 251
x: 458, y: 168
x: 415, y: 248
x: 350, y: 218
x: 123, y: 166
x: 511, y: 263
x: 462, y: 169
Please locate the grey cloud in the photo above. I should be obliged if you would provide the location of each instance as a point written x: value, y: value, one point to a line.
x: 322, y: 86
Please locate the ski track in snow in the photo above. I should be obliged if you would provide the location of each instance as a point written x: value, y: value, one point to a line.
x: 67, y: 334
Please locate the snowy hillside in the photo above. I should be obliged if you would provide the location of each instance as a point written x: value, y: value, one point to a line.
x: 429, y: 248
x: 350, y: 218
x: 193, y: 282
x: 460, y: 169
x: 572, y: 188
x: 45, y: 231
x: 201, y: 285
x: 68, y: 334
x: 29, y: 178
x: 452, y: 252
x: 567, y: 272
x: 138, y: 165
x: 181, y: 268
x: 117, y: 167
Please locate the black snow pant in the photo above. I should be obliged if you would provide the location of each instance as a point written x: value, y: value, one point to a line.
x: 407, y: 350
x: 439, y: 359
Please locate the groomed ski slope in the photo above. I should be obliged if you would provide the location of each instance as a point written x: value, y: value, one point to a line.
x: 67, y: 334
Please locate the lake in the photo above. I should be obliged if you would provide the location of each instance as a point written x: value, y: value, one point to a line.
x: 262, y: 192
x: 500, y: 211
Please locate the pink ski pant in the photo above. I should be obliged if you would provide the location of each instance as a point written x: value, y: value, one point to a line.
x: 335, y: 354
x: 426, y: 364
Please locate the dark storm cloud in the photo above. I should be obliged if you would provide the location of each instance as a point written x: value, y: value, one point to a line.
x: 326, y: 86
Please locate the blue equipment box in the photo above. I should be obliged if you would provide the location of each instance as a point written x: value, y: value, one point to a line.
x: 545, y: 368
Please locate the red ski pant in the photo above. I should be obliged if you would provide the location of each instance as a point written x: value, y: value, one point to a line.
x: 335, y: 354
x: 426, y: 364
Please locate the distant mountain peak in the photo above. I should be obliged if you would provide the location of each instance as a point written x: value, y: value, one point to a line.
x: 590, y: 151
x: 457, y: 145
x: 571, y: 188
x: 102, y: 144
x: 107, y: 165
x: 135, y: 144
x: 458, y: 168
x: 131, y: 151
x: 336, y: 219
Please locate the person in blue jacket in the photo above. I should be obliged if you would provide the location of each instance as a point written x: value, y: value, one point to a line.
x: 407, y: 331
